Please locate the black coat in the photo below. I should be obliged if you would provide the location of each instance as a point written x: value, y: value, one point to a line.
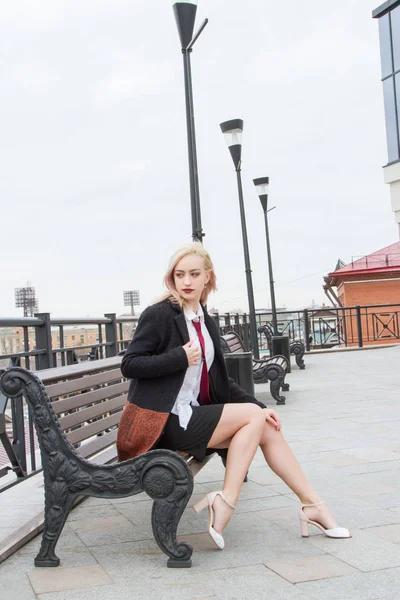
x: 156, y: 362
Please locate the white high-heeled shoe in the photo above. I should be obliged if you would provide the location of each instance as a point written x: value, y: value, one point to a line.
x: 208, y: 501
x: 337, y: 532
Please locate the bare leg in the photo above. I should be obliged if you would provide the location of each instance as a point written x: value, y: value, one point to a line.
x: 240, y: 428
x: 282, y: 461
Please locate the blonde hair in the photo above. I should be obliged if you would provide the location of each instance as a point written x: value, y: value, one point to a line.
x: 197, y: 249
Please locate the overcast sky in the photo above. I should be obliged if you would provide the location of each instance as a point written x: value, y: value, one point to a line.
x: 94, y: 181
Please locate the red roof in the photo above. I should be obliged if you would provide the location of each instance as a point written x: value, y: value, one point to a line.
x: 382, y: 261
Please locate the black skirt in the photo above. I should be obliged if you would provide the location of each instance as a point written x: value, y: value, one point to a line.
x: 199, y: 431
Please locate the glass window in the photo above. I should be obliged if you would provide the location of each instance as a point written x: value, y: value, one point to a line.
x: 390, y: 116
x: 395, y: 20
x: 397, y: 91
x: 384, y: 38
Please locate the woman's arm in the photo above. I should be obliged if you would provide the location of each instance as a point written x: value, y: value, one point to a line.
x: 140, y: 362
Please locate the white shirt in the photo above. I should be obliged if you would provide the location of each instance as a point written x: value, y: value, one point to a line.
x: 190, y: 389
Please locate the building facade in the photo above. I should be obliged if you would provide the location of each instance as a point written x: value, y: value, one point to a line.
x: 80, y: 338
x: 372, y: 281
x: 388, y: 15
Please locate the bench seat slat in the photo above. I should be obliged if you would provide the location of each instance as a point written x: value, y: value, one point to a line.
x: 98, y: 409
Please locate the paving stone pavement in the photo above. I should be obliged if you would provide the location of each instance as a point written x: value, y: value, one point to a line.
x: 342, y: 419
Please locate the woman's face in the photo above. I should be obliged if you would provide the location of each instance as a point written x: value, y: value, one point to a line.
x: 190, y: 278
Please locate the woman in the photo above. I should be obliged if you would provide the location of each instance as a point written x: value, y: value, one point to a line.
x: 181, y: 398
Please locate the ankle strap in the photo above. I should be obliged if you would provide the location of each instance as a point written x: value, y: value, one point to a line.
x: 225, y: 500
x: 316, y: 504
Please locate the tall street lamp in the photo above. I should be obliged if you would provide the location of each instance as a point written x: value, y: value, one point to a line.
x: 233, y: 131
x: 262, y: 190
x: 185, y: 15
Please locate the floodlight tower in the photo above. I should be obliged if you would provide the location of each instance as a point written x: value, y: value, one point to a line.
x: 132, y: 299
x: 25, y: 298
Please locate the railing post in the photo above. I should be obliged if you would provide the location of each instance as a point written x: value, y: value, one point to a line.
x: 16, y: 451
x: 43, y: 342
x: 246, y: 331
x: 306, y: 330
x: 237, y: 323
x: 18, y: 443
x: 111, y: 335
x: 345, y: 326
x: 72, y: 359
x: 359, y: 327
x: 215, y: 316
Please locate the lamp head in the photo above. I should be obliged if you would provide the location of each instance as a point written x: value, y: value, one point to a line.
x: 185, y: 16
x: 233, y: 132
x: 262, y: 185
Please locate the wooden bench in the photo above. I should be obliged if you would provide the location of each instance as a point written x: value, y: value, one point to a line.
x: 297, y: 348
x: 268, y: 369
x: 76, y: 411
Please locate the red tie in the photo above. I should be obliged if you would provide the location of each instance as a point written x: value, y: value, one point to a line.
x: 204, y: 397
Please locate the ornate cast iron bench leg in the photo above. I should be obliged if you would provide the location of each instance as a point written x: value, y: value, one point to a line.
x: 170, y: 484
x: 277, y: 378
x: 298, y: 350
x: 55, y: 515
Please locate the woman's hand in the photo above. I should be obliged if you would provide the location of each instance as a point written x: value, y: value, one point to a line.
x: 272, y: 417
x: 193, y: 353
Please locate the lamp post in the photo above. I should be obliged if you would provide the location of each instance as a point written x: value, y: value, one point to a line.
x: 185, y: 15
x: 262, y: 190
x: 233, y: 131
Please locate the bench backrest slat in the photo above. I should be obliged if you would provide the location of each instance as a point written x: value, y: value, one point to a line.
x: 87, y: 431
x: 106, y: 456
x: 73, y: 402
x: 86, y: 414
x: 99, y: 443
x: 233, y: 342
x: 236, y: 348
x: 88, y: 399
x: 82, y: 383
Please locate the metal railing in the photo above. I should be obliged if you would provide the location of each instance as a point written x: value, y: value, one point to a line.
x: 18, y: 444
x: 323, y: 327
x: 316, y: 328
